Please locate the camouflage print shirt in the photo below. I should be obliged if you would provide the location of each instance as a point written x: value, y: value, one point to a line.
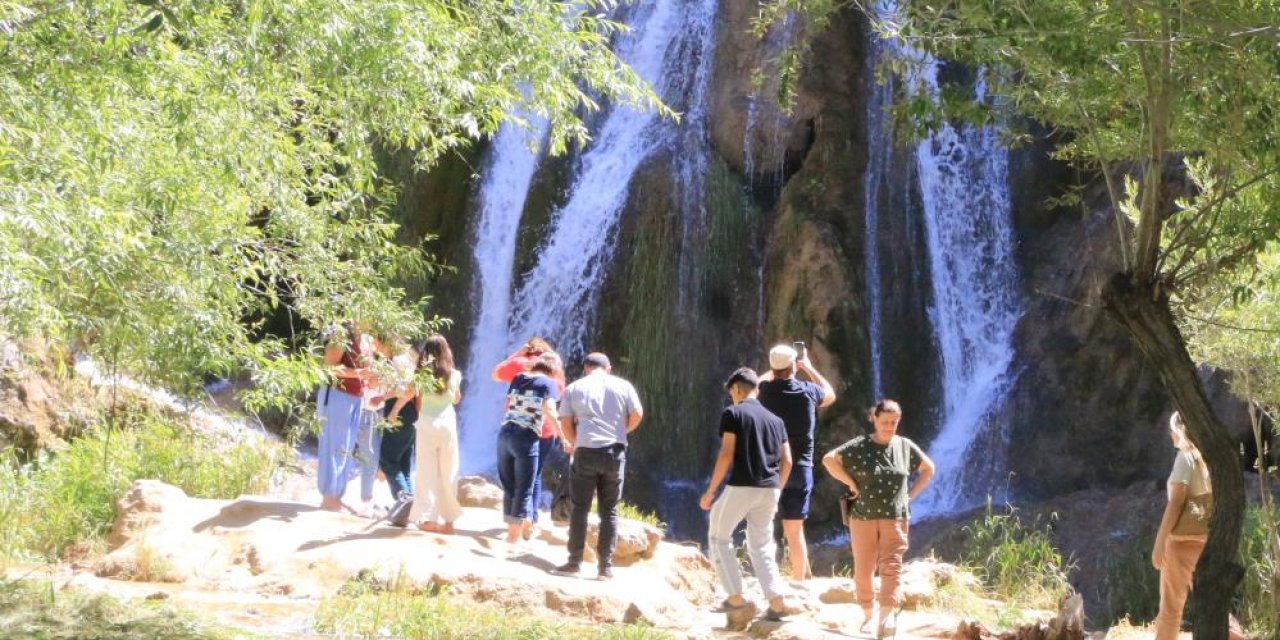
x: 881, y: 473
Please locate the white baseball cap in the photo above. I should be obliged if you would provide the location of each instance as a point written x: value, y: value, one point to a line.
x: 781, y: 357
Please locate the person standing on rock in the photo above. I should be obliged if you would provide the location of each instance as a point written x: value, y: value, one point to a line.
x: 521, y: 361
x: 877, y: 469
x: 435, y: 477
x: 756, y: 459
x: 797, y: 403
x: 530, y: 398
x: 348, y: 442
x: 597, y: 413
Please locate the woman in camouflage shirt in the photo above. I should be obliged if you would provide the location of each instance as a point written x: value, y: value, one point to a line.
x: 877, y: 469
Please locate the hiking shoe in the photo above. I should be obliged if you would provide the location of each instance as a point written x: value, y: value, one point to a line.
x: 606, y: 573
x: 723, y: 607
x: 571, y: 569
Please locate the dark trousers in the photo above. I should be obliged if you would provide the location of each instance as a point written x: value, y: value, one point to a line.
x: 517, y: 459
x: 396, y: 455
x: 598, y: 473
x: 547, y: 447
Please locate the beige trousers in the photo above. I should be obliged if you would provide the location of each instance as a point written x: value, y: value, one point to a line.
x: 435, y: 480
x: 1180, y: 557
x: 878, y: 545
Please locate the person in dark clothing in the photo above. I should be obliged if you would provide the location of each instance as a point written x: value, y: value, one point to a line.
x: 797, y: 403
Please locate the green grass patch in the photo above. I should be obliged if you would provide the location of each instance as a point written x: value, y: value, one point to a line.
x: 1016, y: 560
x: 1259, y: 595
x: 1131, y: 584
x: 368, y: 608
x: 66, y: 498
x: 632, y: 512
x: 34, y: 610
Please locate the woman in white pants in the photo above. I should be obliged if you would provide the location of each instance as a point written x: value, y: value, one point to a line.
x: 435, y: 497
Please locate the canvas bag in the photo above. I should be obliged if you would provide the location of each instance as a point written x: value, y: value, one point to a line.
x: 1196, y: 512
x: 1194, y: 519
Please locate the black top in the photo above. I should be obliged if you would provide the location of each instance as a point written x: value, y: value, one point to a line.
x: 796, y: 402
x: 757, y: 451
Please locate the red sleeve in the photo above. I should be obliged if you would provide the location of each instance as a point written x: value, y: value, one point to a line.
x: 510, y: 367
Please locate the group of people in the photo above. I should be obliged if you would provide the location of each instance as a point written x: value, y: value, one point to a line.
x: 391, y: 410
x: 766, y: 460
x: 400, y: 418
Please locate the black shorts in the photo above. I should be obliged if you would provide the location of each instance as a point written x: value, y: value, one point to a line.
x: 794, y: 503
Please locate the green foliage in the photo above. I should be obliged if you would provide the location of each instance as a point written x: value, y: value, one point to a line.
x: 172, y: 172
x: 373, y: 609
x: 1127, y: 85
x: 1131, y: 584
x: 1016, y: 561
x: 632, y: 512
x: 35, y: 610
x: 66, y: 498
x: 1259, y: 597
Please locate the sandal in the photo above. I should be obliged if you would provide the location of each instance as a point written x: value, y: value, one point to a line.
x: 429, y: 526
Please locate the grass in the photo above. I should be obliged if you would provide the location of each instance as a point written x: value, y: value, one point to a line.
x: 369, y: 608
x: 63, y: 501
x: 632, y: 512
x: 34, y: 610
x: 1259, y: 595
x: 1016, y: 561
x: 1131, y: 584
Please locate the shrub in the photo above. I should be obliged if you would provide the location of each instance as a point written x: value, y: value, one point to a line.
x: 369, y: 608
x: 1017, y: 562
x: 66, y: 498
x: 1131, y: 584
x: 35, y: 610
x: 1259, y: 596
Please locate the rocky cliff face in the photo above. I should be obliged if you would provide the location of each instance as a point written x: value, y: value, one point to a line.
x: 777, y: 254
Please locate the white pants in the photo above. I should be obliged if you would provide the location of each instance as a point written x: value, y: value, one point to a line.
x: 435, y: 480
x: 756, y: 505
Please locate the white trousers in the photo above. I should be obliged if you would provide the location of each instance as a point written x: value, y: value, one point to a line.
x: 435, y: 480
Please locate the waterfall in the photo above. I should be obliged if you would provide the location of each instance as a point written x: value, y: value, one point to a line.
x: 964, y: 195
x: 669, y: 45
x: 880, y: 149
x: 508, y: 172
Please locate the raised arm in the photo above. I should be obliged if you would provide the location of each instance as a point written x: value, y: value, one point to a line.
x: 828, y: 391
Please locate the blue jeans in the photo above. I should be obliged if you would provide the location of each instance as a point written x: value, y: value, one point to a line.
x: 517, y: 460
x: 396, y: 457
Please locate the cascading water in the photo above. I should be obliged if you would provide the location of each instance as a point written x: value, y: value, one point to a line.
x: 507, y: 176
x: 669, y: 45
x: 964, y: 195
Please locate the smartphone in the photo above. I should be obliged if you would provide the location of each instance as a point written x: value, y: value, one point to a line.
x: 799, y: 347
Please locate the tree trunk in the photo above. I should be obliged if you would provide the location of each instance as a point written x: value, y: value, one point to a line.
x: 1145, y: 313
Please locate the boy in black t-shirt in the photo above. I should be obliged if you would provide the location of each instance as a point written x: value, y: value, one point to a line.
x: 754, y: 445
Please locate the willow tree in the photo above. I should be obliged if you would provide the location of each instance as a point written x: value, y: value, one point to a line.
x: 172, y: 169
x: 1173, y: 104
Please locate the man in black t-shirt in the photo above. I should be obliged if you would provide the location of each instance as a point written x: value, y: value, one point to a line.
x: 797, y: 403
x: 754, y: 446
